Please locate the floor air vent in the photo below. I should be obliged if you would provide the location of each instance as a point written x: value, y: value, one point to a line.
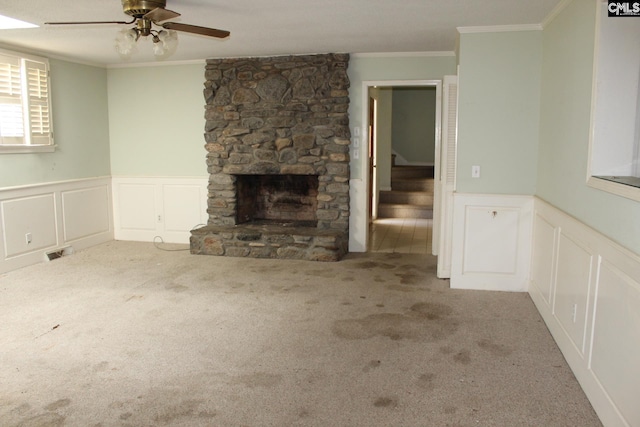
x: 59, y: 253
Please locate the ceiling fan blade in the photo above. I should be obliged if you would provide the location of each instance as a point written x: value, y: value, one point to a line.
x: 204, y: 31
x: 89, y: 22
x: 160, y: 14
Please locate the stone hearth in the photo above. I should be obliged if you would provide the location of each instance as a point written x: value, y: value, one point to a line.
x: 277, y: 140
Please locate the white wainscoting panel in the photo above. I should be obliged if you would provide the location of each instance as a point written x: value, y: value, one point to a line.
x: 31, y: 215
x: 491, y: 242
x: 151, y: 207
x: 41, y: 218
x: 588, y: 293
x: 86, y: 212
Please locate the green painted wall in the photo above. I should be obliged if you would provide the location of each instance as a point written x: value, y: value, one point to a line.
x: 392, y: 68
x: 565, y: 127
x: 81, y: 131
x: 414, y: 123
x: 499, y: 111
x: 156, y: 121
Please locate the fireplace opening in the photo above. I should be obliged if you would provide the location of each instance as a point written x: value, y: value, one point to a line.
x: 289, y: 200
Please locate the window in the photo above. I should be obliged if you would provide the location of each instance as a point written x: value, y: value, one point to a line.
x: 25, y: 104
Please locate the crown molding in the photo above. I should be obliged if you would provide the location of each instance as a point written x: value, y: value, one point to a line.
x: 500, y: 28
x: 401, y: 54
x: 555, y: 12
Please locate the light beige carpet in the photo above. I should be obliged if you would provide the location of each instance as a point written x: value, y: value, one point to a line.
x: 124, y: 334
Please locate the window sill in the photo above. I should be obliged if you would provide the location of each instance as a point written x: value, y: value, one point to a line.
x: 25, y: 149
x: 627, y: 190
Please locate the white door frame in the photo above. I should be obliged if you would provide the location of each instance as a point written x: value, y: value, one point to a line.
x: 366, y: 84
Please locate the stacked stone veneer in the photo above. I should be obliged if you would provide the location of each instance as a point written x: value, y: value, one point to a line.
x: 279, y: 115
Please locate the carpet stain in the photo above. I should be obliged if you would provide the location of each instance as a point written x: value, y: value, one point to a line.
x: 132, y: 297
x: 410, y: 278
x: 176, y: 288
x: 450, y: 410
x: 425, y: 382
x: 401, y: 288
x: 379, y: 279
x: 371, y: 365
x: 369, y: 265
x: 348, y: 279
x: 495, y: 349
x: 187, y: 410
x: 101, y: 367
x: 386, y: 402
x: 423, y: 321
x: 259, y: 379
x: 463, y: 357
x: 62, y: 403
x: 44, y: 420
x: 312, y: 302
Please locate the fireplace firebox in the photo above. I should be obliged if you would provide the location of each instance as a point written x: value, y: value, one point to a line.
x: 277, y: 199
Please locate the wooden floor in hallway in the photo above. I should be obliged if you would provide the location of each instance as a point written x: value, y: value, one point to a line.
x: 401, y: 235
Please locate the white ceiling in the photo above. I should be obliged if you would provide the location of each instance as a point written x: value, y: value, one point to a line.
x: 267, y: 27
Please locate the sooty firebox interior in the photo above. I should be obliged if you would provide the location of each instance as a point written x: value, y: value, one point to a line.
x: 279, y: 199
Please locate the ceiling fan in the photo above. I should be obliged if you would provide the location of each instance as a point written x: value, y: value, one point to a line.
x: 146, y: 14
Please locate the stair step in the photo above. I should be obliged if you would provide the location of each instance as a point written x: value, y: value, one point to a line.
x: 408, y: 184
x: 406, y: 197
x: 411, y: 172
x: 391, y: 210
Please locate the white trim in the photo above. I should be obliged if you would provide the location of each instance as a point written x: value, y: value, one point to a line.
x: 500, y: 28
x: 68, y: 182
x: 401, y: 54
x: 616, y: 188
x: 157, y: 64
x: 355, y: 205
x: 555, y: 12
x: 27, y: 148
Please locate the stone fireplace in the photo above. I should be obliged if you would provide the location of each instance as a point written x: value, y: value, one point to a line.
x: 277, y: 140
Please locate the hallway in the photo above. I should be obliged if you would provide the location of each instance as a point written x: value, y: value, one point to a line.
x: 401, y: 235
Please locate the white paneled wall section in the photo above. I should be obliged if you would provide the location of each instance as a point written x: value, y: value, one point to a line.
x: 43, y: 218
x: 164, y: 207
x: 491, y: 241
x: 587, y: 289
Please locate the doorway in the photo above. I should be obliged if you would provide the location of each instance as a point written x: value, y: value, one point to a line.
x: 404, y: 151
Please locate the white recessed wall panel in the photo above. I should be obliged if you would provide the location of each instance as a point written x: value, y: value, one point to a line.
x: 542, y: 268
x: 572, y: 289
x: 35, y: 216
x: 491, y: 240
x: 137, y: 206
x: 176, y: 198
x: 150, y: 208
x: 615, y: 357
x: 86, y: 212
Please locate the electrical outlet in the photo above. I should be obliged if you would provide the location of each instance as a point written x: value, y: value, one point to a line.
x: 356, y: 131
x: 28, y: 238
x: 356, y: 154
x: 475, y: 171
x: 159, y: 218
x: 356, y: 142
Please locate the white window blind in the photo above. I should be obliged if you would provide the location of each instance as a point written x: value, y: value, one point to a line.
x: 25, y: 109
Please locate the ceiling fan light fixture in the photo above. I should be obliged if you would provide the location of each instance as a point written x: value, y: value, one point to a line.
x: 125, y: 42
x: 165, y: 43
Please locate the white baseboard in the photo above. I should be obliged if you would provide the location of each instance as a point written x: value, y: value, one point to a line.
x: 146, y: 208
x: 587, y: 289
x: 41, y: 218
x: 491, y: 242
